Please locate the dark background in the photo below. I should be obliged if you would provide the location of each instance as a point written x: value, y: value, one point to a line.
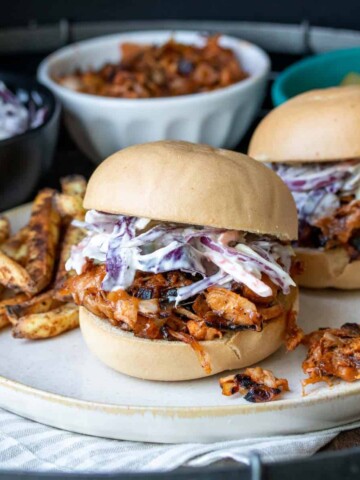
x: 17, y: 13
x: 331, y: 13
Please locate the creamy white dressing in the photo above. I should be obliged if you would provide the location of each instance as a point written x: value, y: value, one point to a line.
x: 218, y: 255
x: 15, y: 118
x: 317, y: 187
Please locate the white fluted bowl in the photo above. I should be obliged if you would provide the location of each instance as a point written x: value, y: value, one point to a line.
x: 103, y: 125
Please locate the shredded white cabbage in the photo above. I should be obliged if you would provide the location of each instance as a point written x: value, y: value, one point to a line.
x: 316, y: 187
x: 219, y: 256
x: 15, y: 117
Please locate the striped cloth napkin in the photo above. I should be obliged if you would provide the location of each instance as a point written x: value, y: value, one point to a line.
x: 29, y: 446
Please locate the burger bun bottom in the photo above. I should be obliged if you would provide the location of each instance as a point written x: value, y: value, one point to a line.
x: 175, y: 361
x: 325, y: 269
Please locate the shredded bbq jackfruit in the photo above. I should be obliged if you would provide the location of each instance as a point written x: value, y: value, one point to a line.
x: 333, y: 353
x: 145, y: 308
x: 172, y: 69
x: 255, y: 384
x: 341, y: 229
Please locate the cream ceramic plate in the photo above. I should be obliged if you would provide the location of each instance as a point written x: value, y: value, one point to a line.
x: 59, y: 383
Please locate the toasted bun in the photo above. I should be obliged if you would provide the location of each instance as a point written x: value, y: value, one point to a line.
x: 193, y: 184
x: 174, y: 361
x: 319, y: 125
x: 327, y: 269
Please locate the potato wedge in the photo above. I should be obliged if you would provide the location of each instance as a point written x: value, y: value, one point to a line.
x: 73, y: 236
x: 44, y: 233
x: 39, y: 304
x: 73, y: 185
x: 70, y: 206
x: 49, y: 324
x: 14, y: 276
x: 4, y: 320
x: 4, y: 229
x: 16, y: 246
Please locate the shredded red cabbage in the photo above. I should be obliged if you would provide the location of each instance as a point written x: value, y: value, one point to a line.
x: 316, y: 187
x: 183, y: 293
x: 125, y: 246
x: 20, y: 112
x: 251, y: 262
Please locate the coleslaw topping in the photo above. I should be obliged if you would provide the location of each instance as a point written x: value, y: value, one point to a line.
x: 20, y: 112
x: 316, y: 187
x: 129, y: 244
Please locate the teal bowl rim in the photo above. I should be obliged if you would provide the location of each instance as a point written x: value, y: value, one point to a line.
x: 277, y: 94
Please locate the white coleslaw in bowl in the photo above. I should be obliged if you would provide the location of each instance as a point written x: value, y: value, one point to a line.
x: 19, y: 112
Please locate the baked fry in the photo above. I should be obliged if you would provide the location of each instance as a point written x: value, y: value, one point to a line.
x: 16, y: 246
x: 4, y: 229
x: 27, y: 261
x: 40, y: 304
x: 49, y: 324
x: 70, y: 206
x: 73, y: 236
x: 14, y: 276
x: 73, y: 185
x: 44, y: 233
x: 4, y: 320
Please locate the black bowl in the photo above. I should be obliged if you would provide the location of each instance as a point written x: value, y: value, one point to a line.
x: 26, y: 157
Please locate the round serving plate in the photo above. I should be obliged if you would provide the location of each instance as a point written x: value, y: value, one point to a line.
x: 60, y: 383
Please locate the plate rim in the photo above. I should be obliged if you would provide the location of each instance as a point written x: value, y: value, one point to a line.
x: 169, y: 411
